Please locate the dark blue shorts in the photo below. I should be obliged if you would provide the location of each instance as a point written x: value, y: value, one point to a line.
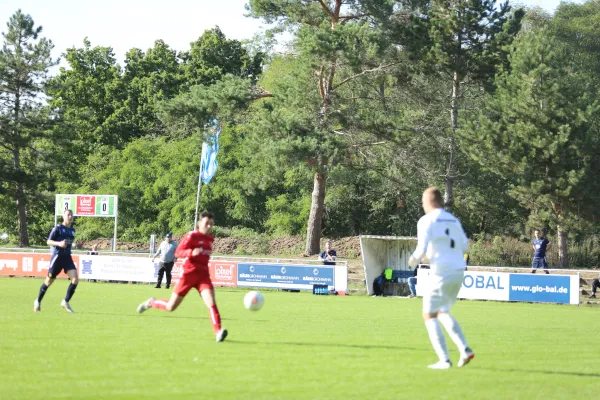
x: 59, y: 263
x: 539, y: 262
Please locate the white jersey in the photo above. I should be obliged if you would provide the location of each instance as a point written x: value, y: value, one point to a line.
x: 440, y: 235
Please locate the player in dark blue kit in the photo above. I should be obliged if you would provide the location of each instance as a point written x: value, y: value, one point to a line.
x: 540, y: 245
x: 60, y: 239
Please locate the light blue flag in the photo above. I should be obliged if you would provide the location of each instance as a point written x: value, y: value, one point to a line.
x: 209, y: 153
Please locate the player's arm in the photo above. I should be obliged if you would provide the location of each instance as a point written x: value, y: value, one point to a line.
x: 157, y: 253
x: 51, y: 239
x: 422, y: 242
x: 333, y: 255
x: 549, y: 245
x: 184, y: 249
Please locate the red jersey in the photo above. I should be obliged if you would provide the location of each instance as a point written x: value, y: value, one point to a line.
x: 191, y: 241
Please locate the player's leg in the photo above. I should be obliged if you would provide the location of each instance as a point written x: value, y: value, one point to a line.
x: 53, y: 270
x: 412, y: 282
x: 595, y: 286
x: 207, y: 291
x: 37, y: 304
x: 72, y: 273
x: 535, y: 264
x: 432, y: 302
x: 162, y: 304
x: 181, y: 290
x: 168, y: 269
x: 450, y: 292
x: 185, y: 284
x: 170, y: 305
x: 545, y: 265
x: 161, y: 273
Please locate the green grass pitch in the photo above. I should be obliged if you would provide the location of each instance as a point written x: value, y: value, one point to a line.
x: 299, y: 346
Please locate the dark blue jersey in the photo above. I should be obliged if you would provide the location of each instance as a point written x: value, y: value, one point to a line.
x: 60, y: 233
x: 540, y: 246
x: 323, y: 256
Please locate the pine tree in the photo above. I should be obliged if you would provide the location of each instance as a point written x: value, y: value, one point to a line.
x: 540, y: 129
x: 24, y: 63
x: 463, y: 41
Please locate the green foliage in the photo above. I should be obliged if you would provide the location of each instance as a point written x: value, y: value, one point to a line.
x: 25, y: 59
x: 287, y: 215
x: 155, y: 184
x: 361, y: 100
x: 540, y: 130
x: 213, y: 56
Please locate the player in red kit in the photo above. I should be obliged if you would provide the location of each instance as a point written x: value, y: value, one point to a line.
x: 195, y: 247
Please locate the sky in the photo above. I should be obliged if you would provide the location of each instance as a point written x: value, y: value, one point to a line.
x: 125, y: 24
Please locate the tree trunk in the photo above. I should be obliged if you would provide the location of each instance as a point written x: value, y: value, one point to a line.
x: 20, y: 192
x: 482, y: 223
x: 317, y: 208
x: 22, y: 216
x: 563, y: 258
x: 451, y: 168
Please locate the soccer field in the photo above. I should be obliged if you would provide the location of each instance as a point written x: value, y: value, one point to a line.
x: 299, y: 346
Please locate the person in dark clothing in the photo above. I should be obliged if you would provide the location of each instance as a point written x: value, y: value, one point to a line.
x: 540, y: 245
x: 595, y: 286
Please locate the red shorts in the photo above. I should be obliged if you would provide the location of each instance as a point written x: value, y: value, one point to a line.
x: 197, y: 279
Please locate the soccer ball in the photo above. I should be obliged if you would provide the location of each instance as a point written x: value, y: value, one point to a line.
x: 254, y: 301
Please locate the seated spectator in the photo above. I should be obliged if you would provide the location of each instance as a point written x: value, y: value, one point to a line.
x: 329, y: 255
x: 93, y: 251
x: 595, y: 286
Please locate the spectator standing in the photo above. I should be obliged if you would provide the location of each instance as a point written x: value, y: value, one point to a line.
x: 595, y: 286
x: 412, y: 284
x: 540, y: 246
x: 166, y: 250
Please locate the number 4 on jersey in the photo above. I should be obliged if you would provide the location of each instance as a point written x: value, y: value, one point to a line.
x: 451, y: 240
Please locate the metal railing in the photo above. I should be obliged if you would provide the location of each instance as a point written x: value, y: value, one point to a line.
x: 276, y: 260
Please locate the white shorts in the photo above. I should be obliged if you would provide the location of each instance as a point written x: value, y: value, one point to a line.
x: 441, y: 291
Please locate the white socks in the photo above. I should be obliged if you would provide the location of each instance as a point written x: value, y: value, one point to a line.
x: 454, y: 331
x: 438, y: 340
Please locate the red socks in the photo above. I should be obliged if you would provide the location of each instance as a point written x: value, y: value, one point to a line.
x: 159, y: 303
x: 215, y: 318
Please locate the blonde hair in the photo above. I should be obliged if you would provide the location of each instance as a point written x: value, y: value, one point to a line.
x: 435, y: 196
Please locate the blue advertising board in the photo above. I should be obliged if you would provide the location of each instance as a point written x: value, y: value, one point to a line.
x: 539, y: 288
x: 283, y: 276
x: 503, y: 286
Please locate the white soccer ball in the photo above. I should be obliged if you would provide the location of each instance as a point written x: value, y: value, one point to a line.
x: 254, y: 301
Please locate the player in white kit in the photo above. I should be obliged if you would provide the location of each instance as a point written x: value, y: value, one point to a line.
x: 441, y: 236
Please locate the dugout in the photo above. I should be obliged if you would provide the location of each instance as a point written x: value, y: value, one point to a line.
x: 381, y: 252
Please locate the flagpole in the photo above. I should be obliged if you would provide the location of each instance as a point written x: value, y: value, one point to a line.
x: 199, y: 184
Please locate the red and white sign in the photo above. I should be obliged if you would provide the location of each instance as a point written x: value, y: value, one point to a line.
x: 223, y: 273
x: 27, y: 264
x: 86, y: 205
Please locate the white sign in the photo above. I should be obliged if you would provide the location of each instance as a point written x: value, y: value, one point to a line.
x: 128, y: 269
x: 476, y: 285
x: 504, y: 286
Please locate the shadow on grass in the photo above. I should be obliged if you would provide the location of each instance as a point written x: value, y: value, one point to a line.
x: 328, y: 345
x: 161, y: 315
x: 537, y: 371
